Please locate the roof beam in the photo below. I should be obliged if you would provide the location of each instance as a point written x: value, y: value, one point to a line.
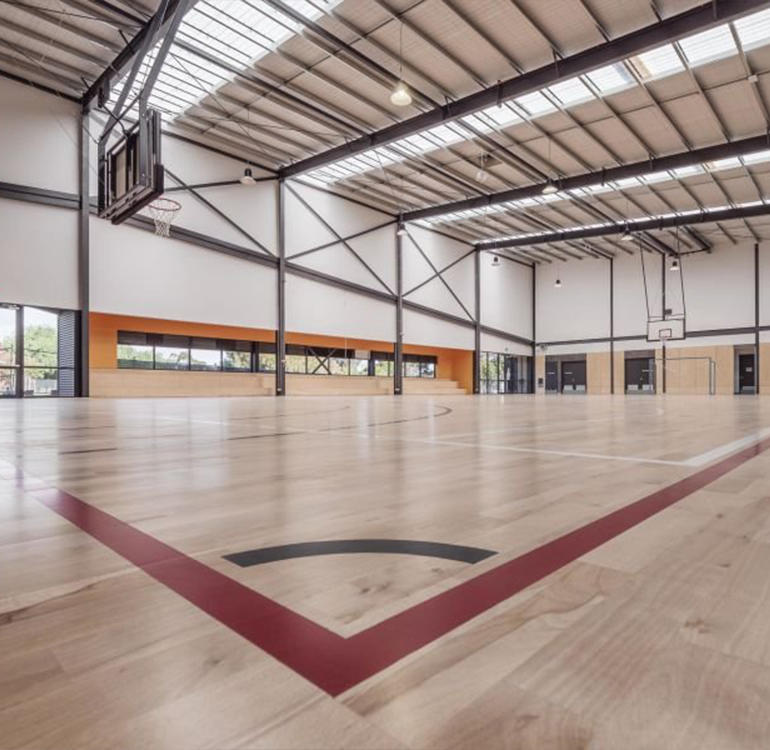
x: 639, y: 225
x: 611, y: 174
x: 126, y: 56
x: 696, y: 19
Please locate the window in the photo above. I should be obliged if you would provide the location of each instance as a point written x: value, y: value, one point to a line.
x: 172, y: 353
x: 419, y: 366
x: 41, y: 352
x: 505, y: 373
x: 205, y: 355
x: 339, y: 366
x: 383, y: 364
x: 296, y: 360
x: 359, y: 366
x: 236, y: 356
x: 709, y: 45
x: 8, y: 363
x: 266, y: 358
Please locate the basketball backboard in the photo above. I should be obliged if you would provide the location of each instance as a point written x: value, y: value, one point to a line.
x: 666, y: 329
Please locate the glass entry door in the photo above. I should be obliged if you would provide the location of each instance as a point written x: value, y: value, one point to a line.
x: 9, y: 342
x: 38, y: 352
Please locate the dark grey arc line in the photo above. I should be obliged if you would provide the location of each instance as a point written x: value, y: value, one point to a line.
x: 358, y: 546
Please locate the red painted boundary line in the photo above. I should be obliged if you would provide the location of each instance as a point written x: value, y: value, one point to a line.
x: 332, y: 662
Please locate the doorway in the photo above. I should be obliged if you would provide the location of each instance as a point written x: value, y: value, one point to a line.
x: 640, y: 375
x: 38, y: 352
x: 573, y: 377
x: 746, y: 373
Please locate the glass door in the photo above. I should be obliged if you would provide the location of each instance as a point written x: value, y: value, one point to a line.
x: 9, y: 352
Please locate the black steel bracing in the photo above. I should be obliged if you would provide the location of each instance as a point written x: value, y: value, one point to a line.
x: 600, y: 177
x: 638, y: 225
x: 699, y: 18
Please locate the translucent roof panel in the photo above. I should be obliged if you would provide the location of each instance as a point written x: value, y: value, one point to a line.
x: 570, y: 92
x: 753, y: 30
x: 731, y: 163
x: 234, y: 32
x: 658, y: 62
x: 611, y: 78
x: 709, y: 45
x: 534, y: 104
x: 756, y: 158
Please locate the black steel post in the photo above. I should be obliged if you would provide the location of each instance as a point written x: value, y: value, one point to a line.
x: 477, y: 327
x: 398, y: 357
x: 663, y: 315
x: 756, y: 317
x: 612, y: 327
x: 532, y: 368
x: 19, y: 351
x: 84, y: 254
x: 280, y: 333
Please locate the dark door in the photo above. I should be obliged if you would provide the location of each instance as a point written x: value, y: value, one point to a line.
x: 746, y: 380
x: 640, y: 375
x: 551, y: 376
x: 573, y: 377
x: 511, y: 375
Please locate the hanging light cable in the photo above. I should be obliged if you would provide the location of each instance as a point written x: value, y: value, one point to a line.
x: 400, y: 96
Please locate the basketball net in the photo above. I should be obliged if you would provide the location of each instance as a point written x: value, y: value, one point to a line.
x: 163, y: 211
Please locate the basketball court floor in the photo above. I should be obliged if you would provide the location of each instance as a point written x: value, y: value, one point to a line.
x: 384, y: 375
x: 385, y: 573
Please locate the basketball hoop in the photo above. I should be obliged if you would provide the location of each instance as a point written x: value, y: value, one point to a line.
x: 665, y: 334
x: 163, y: 211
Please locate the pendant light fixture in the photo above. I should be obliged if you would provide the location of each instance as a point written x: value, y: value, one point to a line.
x: 495, y: 261
x: 400, y: 96
x: 481, y: 173
x: 557, y: 283
x: 248, y: 177
x: 675, y: 265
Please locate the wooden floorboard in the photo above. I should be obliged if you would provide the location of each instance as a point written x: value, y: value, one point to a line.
x: 657, y: 638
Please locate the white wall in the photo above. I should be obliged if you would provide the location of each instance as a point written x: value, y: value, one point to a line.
x: 312, y: 307
x: 580, y: 309
x: 426, y: 330
x: 38, y: 138
x: 491, y: 343
x: 133, y: 272
x: 38, y: 255
x: 506, y: 296
x: 630, y: 304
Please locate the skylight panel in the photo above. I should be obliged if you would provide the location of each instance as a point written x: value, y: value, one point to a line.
x: 757, y: 157
x: 709, y: 45
x: 753, y: 30
x: 535, y: 104
x: 658, y: 62
x: 731, y: 163
x: 627, y: 182
x: 501, y: 116
x: 571, y: 92
x: 687, y: 171
x: 656, y: 177
x: 611, y: 78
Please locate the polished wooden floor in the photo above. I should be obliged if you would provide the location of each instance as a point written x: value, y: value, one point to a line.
x: 658, y: 638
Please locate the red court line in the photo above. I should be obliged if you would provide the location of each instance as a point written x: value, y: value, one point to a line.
x: 332, y: 662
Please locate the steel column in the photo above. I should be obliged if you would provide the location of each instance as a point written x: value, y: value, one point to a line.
x: 533, y: 369
x: 19, y: 351
x: 612, y: 326
x: 663, y: 313
x: 280, y: 334
x: 477, y: 326
x: 84, y: 253
x: 398, y: 358
x: 756, y: 318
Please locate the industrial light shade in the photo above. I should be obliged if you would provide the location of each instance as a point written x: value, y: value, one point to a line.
x: 401, y: 231
x: 400, y: 95
x: 495, y: 261
x: 248, y: 178
x: 557, y: 283
x: 481, y: 175
x: 675, y: 264
x: 626, y: 236
x: 550, y: 188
